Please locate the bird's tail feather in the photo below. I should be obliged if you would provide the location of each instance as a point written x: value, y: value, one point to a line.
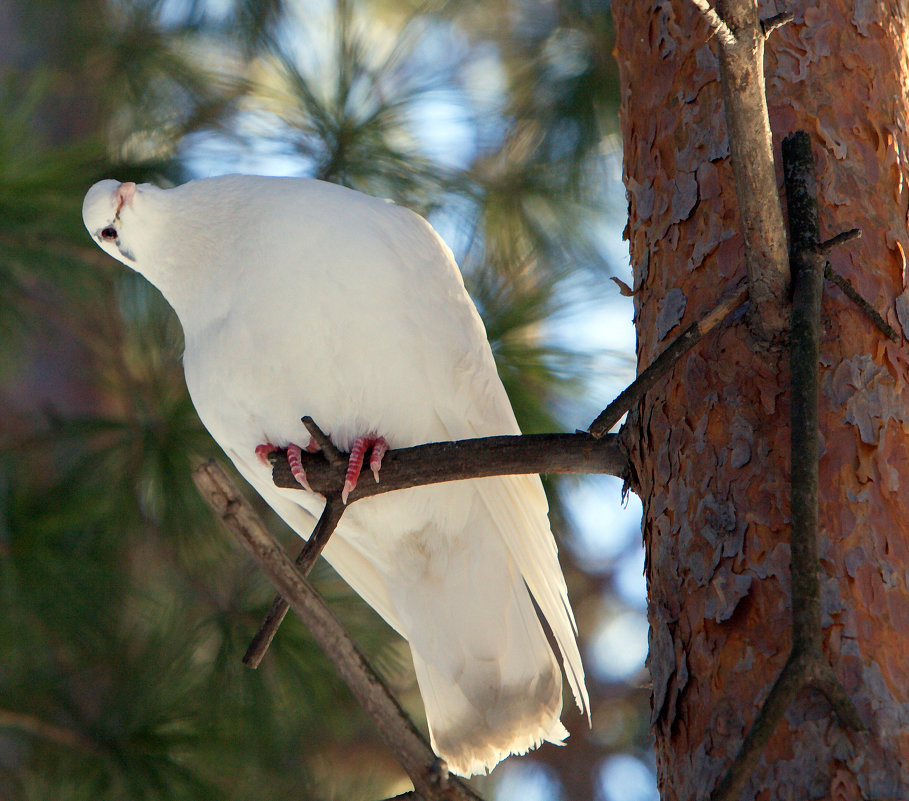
x: 474, y: 734
x: 489, y: 679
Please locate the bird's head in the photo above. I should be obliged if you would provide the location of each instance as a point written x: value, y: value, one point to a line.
x: 132, y: 223
x: 177, y: 238
x: 112, y: 213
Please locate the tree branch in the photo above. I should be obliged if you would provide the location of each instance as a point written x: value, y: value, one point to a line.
x: 331, y: 454
x: 425, y: 770
x: 741, y: 59
x: 47, y: 731
x: 770, y: 24
x: 808, y: 259
x: 437, y: 462
x: 784, y: 689
x: 850, y: 292
x: 807, y: 288
x: 305, y: 560
x: 840, y: 239
x: 806, y: 664
x: 720, y: 28
x: 426, y: 464
x: 661, y: 365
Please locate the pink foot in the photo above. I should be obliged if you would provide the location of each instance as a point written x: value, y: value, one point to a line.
x: 293, y: 458
x: 262, y: 451
x: 379, y: 447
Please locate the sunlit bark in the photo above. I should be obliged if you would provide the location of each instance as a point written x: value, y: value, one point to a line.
x: 712, y: 454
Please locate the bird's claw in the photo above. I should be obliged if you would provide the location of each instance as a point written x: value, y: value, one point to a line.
x: 296, y: 466
x: 294, y: 453
x: 263, y: 451
x: 379, y: 449
x: 379, y: 446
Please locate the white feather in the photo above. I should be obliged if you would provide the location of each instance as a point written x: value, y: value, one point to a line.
x: 304, y: 298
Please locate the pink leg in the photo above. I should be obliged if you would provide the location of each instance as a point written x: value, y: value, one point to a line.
x: 379, y: 447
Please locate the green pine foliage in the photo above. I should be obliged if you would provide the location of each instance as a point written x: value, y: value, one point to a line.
x: 124, y: 607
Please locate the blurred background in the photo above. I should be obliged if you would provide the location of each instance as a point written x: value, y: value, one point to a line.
x: 124, y: 607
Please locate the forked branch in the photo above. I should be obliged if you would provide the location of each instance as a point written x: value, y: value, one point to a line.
x: 305, y: 560
x: 806, y: 665
x: 426, y: 771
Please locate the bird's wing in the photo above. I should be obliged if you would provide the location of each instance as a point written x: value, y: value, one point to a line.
x: 469, y: 400
x: 519, y: 507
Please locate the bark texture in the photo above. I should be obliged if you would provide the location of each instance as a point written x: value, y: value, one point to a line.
x: 712, y: 440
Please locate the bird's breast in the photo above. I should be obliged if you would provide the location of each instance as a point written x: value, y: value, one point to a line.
x: 252, y: 380
x: 359, y: 320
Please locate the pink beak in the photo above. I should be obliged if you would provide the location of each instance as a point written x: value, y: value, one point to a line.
x: 124, y: 195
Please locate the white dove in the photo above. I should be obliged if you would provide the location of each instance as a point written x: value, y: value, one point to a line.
x: 299, y: 297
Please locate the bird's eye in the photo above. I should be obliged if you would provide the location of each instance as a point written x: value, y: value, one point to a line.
x: 109, y: 234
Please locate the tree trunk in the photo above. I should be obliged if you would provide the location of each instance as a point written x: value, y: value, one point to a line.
x: 711, y: 445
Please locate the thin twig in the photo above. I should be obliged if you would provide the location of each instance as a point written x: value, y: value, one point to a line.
x: 47, y: 731
x: 770, y: 24
x: 821, y: 676
x: 840, y: 239
x: 846, y: 287
x: 328, y: 521
x: 788, y: 683
x: 438, y: 462
x: 395, y: 728
x: 716, y: 23
x: 850, y: 292
x: 629, y: 396
x: 329, y: 451
x: 305, y: 560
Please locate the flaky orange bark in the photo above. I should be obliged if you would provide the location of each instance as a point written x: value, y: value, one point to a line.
x: 712, y: 440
